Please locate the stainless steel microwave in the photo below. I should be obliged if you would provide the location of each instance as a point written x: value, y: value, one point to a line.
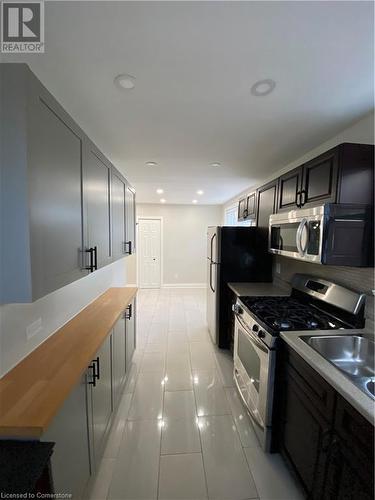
x: 333, y: 234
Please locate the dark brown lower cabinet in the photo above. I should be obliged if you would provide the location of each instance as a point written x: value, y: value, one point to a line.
x: 325, y: 440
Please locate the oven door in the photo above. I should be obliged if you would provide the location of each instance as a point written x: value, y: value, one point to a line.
x: 297, y: 234
x: 254, y: 366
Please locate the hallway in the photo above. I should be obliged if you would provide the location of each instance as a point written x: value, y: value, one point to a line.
x: 181, y: 431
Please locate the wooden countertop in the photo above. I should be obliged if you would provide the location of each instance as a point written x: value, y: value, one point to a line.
x: 34, y: 390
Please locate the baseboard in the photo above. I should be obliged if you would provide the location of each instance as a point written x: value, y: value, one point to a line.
x: 132, y: 285
x: 184, y: 285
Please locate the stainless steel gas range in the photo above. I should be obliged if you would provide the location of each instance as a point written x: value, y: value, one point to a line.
x: 314, y: 304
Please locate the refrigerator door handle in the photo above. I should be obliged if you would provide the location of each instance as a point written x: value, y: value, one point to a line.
x: 212, y: 241
x: 212, y: 288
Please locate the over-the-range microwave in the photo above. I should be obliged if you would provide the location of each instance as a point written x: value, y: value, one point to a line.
x: 333, y: 234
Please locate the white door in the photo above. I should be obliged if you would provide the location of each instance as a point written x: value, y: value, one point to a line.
x: 149, y: 252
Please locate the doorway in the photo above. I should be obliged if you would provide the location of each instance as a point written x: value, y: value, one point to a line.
x: 149, y: 252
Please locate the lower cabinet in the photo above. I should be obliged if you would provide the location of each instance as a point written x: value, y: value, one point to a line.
x: 130, y: 331
x: 118, y: 357
x: 101, y: 396
x: 70, y: 462
x: 325, y: 440
x: 80, y: 429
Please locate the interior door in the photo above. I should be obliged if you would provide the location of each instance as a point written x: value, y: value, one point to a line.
x: 149, y: 253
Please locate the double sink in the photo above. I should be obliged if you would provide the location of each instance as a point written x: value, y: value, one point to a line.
x: 353, y: 355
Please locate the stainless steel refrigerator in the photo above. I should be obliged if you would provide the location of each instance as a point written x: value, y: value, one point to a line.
x: 234, y: 254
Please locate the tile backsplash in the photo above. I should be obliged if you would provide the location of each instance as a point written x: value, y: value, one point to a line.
x: 360, y: 279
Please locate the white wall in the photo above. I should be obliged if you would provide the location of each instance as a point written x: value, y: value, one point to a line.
x: 360, y: 132
x: 184, y: 239
x: 54, y: 310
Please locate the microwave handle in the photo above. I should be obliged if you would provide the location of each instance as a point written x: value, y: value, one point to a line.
x: 299, y: 232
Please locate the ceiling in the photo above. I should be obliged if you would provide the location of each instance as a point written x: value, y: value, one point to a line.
x: 194, y: 64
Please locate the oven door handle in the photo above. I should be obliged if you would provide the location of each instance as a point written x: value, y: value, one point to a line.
x: 299, y: 232
x: 254, y: 339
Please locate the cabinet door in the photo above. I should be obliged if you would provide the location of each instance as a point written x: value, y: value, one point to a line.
x: 119, y: 360
x: 289, y: 190
x: 55, y: 152
x: 305, y: 438
x: 251, y: 206
x: 96, y: 193
x: 242, y: 209
x: 70, y: 461
x: 130, y: 332
x: 130, y: 220
x: 102, y: 397
x: 319, y: 183
x: 266, y: 206
x: 118, y: 216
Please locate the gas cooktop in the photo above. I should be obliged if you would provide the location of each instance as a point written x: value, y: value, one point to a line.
x: 289, y: 313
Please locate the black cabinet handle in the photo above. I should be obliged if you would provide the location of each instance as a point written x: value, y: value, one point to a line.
x: 129, y: 310
x: 93, y: 266
x: 245, y: 213
x: 129, y: 244
x: 95, y: 258
x: 93, y: 374
x: 298, y: 199
x: 97, y: 368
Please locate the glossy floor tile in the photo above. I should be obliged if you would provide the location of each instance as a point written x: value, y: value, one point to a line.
x: 227, y: 473
x: 158, y: 447
x: 182, y: 477
x: 180, y: 436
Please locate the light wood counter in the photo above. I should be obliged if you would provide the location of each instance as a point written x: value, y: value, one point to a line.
x: 34, y: 390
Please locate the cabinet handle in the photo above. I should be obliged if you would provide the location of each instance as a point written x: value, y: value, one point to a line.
x: 91, y: 266
x: 303, y: 197
x: 97, y: 368
x: 95, y: 258
x: 93, y: 374
x: 129, y: 244
x: 245, y: 213
x: 129, y: 309
x: 298, y: 199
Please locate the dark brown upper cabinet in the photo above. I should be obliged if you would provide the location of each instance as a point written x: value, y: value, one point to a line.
x: 343, y: 174
x: 290, y: 189
x: 247, y: 207
x: 320, y: 177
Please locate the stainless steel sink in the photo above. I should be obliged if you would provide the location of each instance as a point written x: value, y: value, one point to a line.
x: 352, y: 354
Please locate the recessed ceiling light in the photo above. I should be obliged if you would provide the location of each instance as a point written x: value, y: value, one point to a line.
x: 160, y: 191
x: 194, y: 201
x: 150, y: 163
x: 263, y: 87
x: 200, y: 192
x: 215, y: 164
x: 124, y: 82
x: 162, y: 200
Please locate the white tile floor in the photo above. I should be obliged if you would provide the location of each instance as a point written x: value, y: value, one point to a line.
x: 181, y: 431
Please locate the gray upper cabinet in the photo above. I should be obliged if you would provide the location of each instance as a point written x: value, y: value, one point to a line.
x: 130, y: 220
x: 96, y: 196
x: 118, y: 215
x: 101, y: 397
x: 41, y: 211
x: 64, y: 208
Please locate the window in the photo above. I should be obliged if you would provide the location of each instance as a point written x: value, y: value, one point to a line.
x: 231, y: 217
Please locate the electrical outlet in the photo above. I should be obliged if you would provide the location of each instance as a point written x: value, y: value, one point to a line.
x: 278, y: 267
x: 34, y: 328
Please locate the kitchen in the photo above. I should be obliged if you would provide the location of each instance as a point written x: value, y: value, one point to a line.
x: 187, y: 289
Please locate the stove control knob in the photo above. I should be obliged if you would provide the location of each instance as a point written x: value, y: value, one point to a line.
x: 261, y: 334
x: 255, y: 328
x: 237, y: 309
